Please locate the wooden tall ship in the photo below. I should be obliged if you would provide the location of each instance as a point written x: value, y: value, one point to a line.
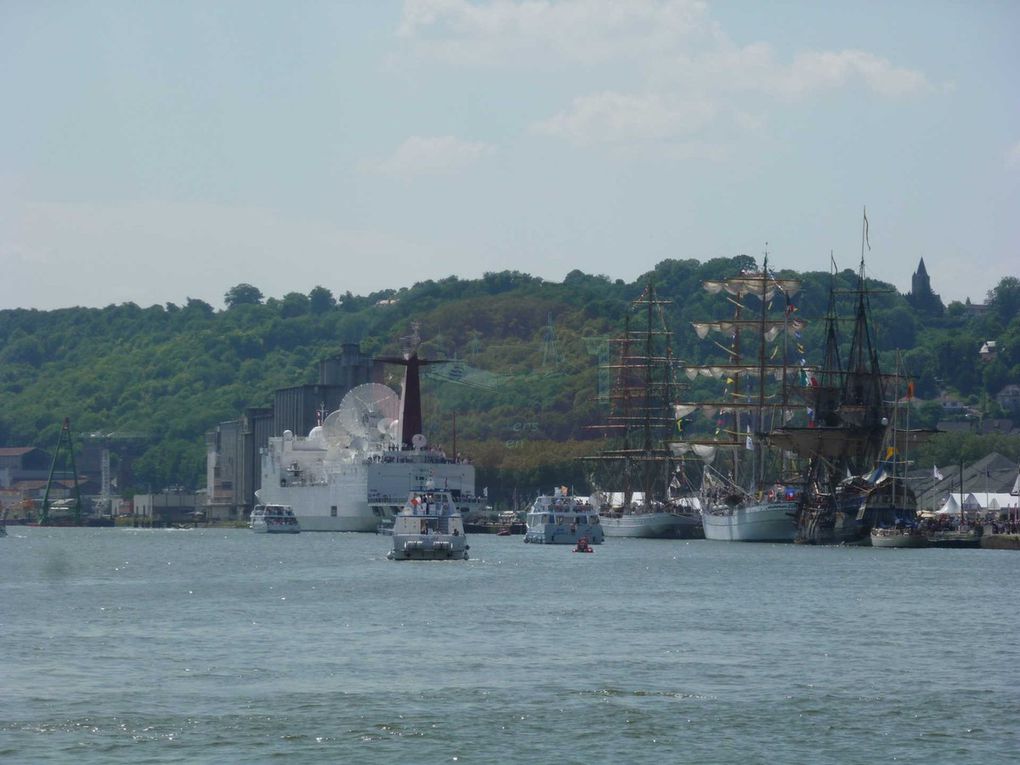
x: 635, y: 475
x: 853, y: 481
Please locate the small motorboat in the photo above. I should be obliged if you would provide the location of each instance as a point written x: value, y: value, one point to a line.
x: 583, y: 546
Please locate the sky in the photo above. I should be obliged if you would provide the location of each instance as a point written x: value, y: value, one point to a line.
x: 152, y: 152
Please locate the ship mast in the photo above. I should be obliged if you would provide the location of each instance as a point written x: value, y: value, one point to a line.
x: 757, y: 459
x: 641, y: 402
x: 753, y: 430
x: 411, y: 421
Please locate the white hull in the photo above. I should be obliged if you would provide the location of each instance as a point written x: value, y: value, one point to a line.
x: 550, y: 534
x: 898, y: 538
x: 429, y: 527
x: 359, y: 491
x: 769, y: 522
x: 648, y: 525
x: 563, y: 520
x: 431, y: 547
x: 262, y: 528
x: 274, y: 519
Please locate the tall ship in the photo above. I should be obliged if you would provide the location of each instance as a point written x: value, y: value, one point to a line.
x: 853, y: 481
x: 748, y: 490
x: 639, y: 469
x: 357, y: 468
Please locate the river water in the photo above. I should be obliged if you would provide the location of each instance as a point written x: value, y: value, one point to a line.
x: 167, y: 646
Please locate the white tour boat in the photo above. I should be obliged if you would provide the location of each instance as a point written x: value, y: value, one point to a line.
x: 273, y: 519
x: 429, y: 527
x: 563, y: 520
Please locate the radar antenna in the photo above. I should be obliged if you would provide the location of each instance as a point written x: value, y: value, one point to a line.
x: 334, y: 432
x: 368, y: 413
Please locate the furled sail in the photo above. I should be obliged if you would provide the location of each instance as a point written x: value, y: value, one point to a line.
x: 751, y: 284
x: 772, y: 329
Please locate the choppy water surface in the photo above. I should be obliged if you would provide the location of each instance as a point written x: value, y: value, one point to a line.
x: 144, y: 646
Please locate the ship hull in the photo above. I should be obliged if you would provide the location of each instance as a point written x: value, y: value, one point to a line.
x: 361, y: 494
x: 770, y: 522
x: 956, y: 539
x: 898, y: 538
x: 650, y: 526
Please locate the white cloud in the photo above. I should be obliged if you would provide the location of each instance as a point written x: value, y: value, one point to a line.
x: 755, y: 69
x: 1013, y: 155
x: 432, y: 156
x: 622, y: 118
x: 582, y: 31
x: 674, y: 69
x: 815, y: 71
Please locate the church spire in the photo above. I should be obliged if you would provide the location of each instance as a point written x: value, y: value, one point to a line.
x: 921, y: 296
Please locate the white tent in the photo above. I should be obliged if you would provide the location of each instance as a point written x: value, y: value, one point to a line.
x: 951, y: 507
x: 1000, y: 501
x: 971, y: 503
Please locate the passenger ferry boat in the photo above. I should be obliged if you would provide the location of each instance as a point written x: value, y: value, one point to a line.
x: 563, y: 520
x: 429, y: 527
x: 274, y: 519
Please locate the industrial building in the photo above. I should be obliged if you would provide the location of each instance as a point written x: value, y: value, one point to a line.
x: 233, y: 449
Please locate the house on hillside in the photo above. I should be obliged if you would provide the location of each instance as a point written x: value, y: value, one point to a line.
x: 1009, y: 398
x: 951, y: 406
x: 989, y: 350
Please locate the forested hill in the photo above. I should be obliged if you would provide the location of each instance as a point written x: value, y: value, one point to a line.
x: 524, y: 390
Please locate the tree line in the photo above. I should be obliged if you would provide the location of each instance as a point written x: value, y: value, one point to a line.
x: 521, y: 391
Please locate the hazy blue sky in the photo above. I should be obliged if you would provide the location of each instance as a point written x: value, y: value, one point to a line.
x: 155, y: 151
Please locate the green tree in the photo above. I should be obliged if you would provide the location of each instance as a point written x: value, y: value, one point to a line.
x: 196, y: 307
x: 1004, y: 299
x: 294, y: 304
x: 321, y: 300
x: 242, y: 294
